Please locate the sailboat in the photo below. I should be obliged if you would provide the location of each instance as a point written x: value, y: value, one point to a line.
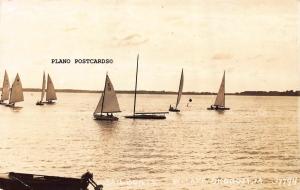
x: 144, y: 115
x: 40, y: 103
x: 5, y: 89
x: 178, y: 94
x: 16, y: 92
x: 220, y: 99
x: 50, y: 94
x: 108, y: 103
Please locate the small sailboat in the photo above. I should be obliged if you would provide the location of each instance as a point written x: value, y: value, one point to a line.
x: 40, y: 103
x: 108, y: 103
x: 220, y: 99
x: 172, y: 109
x: 5, y: 89
x: 144, y: 115
x: 50, y: 93
x: 16, y: 93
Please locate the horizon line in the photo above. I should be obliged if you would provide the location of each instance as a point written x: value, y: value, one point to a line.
x: 297, y: 92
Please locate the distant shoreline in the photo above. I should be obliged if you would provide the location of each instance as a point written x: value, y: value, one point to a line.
x: 244, y: 93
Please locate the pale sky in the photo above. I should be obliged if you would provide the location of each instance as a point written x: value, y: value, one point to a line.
x: 255, y: 41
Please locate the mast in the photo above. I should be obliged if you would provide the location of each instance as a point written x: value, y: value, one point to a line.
x: 103, y: 94
x: 224, y: 87
x: 136, y: 77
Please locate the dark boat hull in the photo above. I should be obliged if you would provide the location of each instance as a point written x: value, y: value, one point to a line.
x: 218, y: 109
x: 106, y: 118
x: 3, y: 103
x: 174, y: 110
x: 143, y: 116
x: 50, y: 102
x: 19, y: 181
x: 39, y: 103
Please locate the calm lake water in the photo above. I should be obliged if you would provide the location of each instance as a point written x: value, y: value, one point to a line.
x: 255, y: 145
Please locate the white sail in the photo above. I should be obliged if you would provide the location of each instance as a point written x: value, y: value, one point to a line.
x: 180, y: 89
x: 43, y: 87
x: 108, y: 102
x: 16, y: 94
x: 50, y: 94
x: 220, y: 100
x: 5, y: 88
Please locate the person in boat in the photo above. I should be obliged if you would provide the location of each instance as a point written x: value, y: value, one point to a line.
x: 211, y: 107
x: 217, y: 107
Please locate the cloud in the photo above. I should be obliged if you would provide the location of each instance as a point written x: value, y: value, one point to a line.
x: 132, y: 40
x: 222, y: 56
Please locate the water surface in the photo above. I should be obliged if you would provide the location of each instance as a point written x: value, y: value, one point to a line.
x: 252, y: 146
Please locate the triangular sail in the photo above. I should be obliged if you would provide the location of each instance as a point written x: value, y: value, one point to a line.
x: 43, y: 87
x: 109, y: 101
x: 16, y: 94
x: 50, y: 94
x: 5, y: 88
x: 180, y: 89
x: 220, y: 100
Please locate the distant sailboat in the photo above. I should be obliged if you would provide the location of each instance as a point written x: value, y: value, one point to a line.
x: 50, y: 94
x: 220, y: 99
x: 179, y: 94
x: 108, y: 103
x: 5, y: 89
x: 40, y: 103
x: 16, y: 93
x: 147, y: 115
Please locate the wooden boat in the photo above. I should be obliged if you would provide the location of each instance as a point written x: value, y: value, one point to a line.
x: 219, y: 104
x: 40, y: 103
x: 5, y: 89
x: 23, y: 181
x: 108, y: 103
x: 50, y: 93
x: 172, y: 109
x: 146, y: 115
x: 16, y: 92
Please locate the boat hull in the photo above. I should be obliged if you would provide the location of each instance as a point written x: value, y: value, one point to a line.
x: 39, y: 103
x: 13, y: 106
x: 174, y: 110
x: 106, y: 118
x: 18, y: 181
x: 50, y: 102
x: 144, y: 116
x: 218, y: 109
x: 3, y: 103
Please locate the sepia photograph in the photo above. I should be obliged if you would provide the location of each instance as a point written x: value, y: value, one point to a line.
x: 149, y: 95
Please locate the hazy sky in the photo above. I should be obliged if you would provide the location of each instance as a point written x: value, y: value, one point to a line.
x: 255, y: 41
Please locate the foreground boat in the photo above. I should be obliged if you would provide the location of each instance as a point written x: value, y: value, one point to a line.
x: 50, y: 94
x: 16, y: 93
x: 172, y: 109
x: 23, y: 181
x: 40, y: 103
x: 5, y: 89
x: 108, y: 103
x: 146, y: 115
x: 220, y: 99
